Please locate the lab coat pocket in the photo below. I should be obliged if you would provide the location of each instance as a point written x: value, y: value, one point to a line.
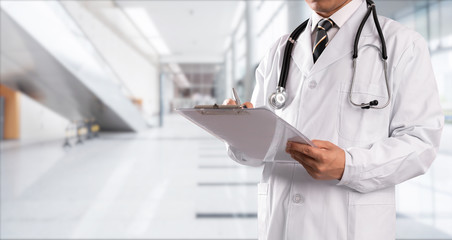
x: 262, y: 212
x: 372, y: 215
x: 363, y: 125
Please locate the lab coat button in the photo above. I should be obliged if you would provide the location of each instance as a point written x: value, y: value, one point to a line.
x: 297, y: 198
x: 312, y: 84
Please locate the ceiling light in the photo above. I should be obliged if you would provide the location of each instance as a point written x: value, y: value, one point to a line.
x: 145, y: 24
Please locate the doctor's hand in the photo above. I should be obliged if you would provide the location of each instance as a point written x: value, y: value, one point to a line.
x: 324, y: 162
x: 229, y: 101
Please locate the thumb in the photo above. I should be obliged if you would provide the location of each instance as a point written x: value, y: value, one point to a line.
x: 248, y: 105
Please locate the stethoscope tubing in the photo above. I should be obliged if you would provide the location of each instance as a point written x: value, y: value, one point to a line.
x: 280, y: 90
x: 288, y: 49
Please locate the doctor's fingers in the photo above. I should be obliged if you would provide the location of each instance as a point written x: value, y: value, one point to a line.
x: 318, y: 169
x: 323, y: 144
x: 313, y: 152
x: 229, y: 101
x: 311, y: 171
x: 248, y: 105
x: 314, y: 164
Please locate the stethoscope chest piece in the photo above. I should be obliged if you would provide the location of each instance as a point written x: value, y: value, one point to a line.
x: 278, y: 98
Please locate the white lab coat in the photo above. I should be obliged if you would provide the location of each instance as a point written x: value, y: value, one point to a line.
x: 383, y: 147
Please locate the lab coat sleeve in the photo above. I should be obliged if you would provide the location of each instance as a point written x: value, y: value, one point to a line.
x: 415, y: 128
x: 256, y: 100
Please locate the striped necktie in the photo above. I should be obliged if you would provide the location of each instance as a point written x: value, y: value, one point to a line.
x: 321, y: 39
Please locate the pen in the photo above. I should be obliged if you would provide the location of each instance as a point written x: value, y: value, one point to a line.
x: 236, y: 97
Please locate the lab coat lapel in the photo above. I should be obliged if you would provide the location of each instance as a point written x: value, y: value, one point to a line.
x: 302, y: 53
x: 342, y: 43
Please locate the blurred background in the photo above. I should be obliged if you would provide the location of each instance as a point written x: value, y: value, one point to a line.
x: 93, y: 149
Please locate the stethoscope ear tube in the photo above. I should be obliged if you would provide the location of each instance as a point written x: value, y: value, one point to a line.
x: 380, y: 33
x: 278, y: 99
x: 374, y: 103
x: 288, y: 49
x: 360, y: 29
x: 370, y: 9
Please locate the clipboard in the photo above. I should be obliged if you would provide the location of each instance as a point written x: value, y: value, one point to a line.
x: 257, y: 132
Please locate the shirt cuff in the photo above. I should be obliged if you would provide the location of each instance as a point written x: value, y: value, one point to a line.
x: 349, y: 171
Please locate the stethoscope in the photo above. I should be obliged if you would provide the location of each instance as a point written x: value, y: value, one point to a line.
x: 278, y: 99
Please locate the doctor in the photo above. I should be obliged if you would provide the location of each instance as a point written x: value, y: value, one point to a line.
x: 344, y: 187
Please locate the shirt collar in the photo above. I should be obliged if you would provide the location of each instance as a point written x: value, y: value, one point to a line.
x: 340, y: 17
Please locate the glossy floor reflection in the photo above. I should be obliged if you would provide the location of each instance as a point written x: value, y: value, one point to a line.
x: 175, y: 183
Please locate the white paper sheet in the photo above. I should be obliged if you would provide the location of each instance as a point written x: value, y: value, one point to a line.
x: 257, y: 132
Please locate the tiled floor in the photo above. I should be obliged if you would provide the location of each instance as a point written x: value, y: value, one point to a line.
x: 175, y: 183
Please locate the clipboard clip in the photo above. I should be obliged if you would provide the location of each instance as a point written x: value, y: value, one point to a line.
x: 220, y: 109
x: 216, y: 106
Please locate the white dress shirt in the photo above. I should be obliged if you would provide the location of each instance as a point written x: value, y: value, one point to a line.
x: 339, y: 18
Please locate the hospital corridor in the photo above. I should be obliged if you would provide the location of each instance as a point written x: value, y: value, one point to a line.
x: 92, y: 145
x: 129, y: 186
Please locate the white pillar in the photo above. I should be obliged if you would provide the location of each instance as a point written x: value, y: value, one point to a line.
x: 228, y: 75
x: 251, y: 36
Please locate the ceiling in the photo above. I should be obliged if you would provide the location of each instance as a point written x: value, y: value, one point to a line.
x: 196, y: 31
x: 191, y: 28
x: 199, y: 29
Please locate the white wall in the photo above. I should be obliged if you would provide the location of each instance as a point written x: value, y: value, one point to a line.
x: 38, y: 123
